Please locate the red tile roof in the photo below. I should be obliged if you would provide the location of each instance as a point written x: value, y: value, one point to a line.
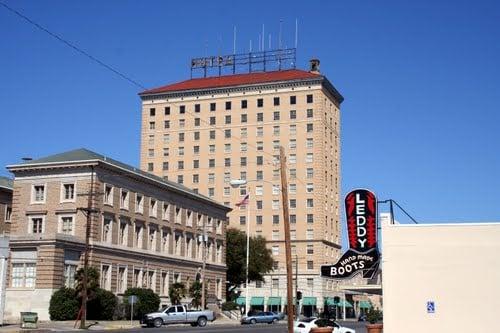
x: 234, y: 80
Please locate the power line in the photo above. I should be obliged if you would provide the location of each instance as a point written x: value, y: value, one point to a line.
x: 73, y: 46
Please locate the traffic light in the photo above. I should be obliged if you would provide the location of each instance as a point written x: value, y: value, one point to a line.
x: 299, y: 295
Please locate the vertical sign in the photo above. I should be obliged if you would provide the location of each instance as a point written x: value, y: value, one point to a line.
x: 362, y: 255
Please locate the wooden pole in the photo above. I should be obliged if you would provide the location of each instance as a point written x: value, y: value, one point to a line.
x: 83, y: 309
x: 288, y: 248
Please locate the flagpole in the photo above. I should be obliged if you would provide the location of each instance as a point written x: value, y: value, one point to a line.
x: 247, y: 288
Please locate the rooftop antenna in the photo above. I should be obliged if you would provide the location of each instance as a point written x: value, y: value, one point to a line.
x: 260, y: 43
x: 296, y: 32
x: 234, y: 40
x: 263, y: 38
x: 250, y: 46
x: 270, y: 42
x: 279, y: 38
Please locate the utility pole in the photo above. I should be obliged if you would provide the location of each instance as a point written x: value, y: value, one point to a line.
x: 204, y: 258
x: 296, y: 285
x: 83, y: 310
x: 288, y: 249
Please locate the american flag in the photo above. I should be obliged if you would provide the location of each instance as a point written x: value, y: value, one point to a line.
x: 244, y: 201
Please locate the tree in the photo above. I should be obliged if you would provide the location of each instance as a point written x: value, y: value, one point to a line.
x: 64, y: 304
x: 260, y: 261
x: 147, y: 301
x: 195, y: 293
x: 92, y: 281
x: 177, y: 292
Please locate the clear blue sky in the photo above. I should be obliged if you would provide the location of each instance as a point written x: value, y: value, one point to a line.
x: 421, y: 81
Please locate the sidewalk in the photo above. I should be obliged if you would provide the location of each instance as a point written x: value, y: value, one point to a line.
x: 55, y: 326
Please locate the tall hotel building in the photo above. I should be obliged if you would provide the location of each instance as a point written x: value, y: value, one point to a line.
x: 203, y: 132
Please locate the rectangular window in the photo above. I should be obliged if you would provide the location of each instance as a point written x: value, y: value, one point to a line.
x: 139, y: 203
x: 151, y: 125
x: 122, y: 280
x: 227, y: 162
x: 212, y: 120
x: 211, y: 178
x: 23, y: 275
x: 293, y: 173
x: 243, y: 161
x: 310, y: 203
x: 227, y: 148
x: 310, y: 173
x: 292, y: 159
x: 36, y: 224
x: 196, y: 136
x: 211, y: 149
x: 292, y: 188
x: 310, y: 218
x: 310, y: 128
x: 276, y: 101
x: 124, y: 199
x: 212, y: 106
x: 276, y: 144
x: 275, y: 248
x: 211, y: 192
x: 123, y: 233
x: 310, y: 282
x: 243, y: 220
x: 212, y: 135
x: 293, y: 129
x: 310, y: 188
x: 310, y: 234
x: 293, y: 100
x: 166, y: 124
x: 310, y: 264
x: 107, y: 230
x: 259, y: 204
x: 151, y: 152
x: 165, y: 166
x: 259, y: 190
x: 293, y: 218
x: 196, y: 164
x: 243, y: 132
x: 293, y: 114
x: 167, y: 110
x: 105, y: 277
x: 260, y: 102
x: 153, y: 207
x: 196, y: 150
x: 276, y: 115
x: 276, y: 130
x: 227, y: 120
x: 243, y: 146
x: 38, y: 195
x: 108, y: 194
x: 69, y: 275
x: 260, y: 131
x: 182, y: 109
x: 196, y: 178
x: 276, y: 189
x: 8, y: 213
x: 292, y: 144
x: 276, y: 219
x: 227, y: 133
x: 166, y: 138
x: 180, y: 151
x: 293, y: 203
x: 309, y: 143
x: 260, y: 117
x: 309, y: 113
x: 260, y: 145
x: 260, y: 160
x: 258, y: 219
x: 244, y: 118
x: 68, y: 192
x: 66, y: 225
x: 228, y: 105
x: 197, y: 122
x: 259, y: 175
x: 275, y: 205
x: 180, y: 179
x: 182, y: 123
x: 309, y: 157
x: 244, y: 104
x: 309, y: 98
x: 310, y: 249
x: 243, y: 175
x: 151, y: 167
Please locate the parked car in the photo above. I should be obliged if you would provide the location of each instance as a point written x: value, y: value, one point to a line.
x: 305, y: 325
x: 178, y: 314
x: 261, y: 317
x: 281, y: 315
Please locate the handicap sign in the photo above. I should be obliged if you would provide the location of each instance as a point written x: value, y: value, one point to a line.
x: 431, y: 307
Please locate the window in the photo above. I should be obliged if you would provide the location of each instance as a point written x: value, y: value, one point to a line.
x: 212, y: 135
x: 244, y: 118
x: 293, y: 173
x: 309, y: 157
x: 259, y: 190
x: 309, y: 113
x: 293, y: 114
x: 122, y: 280
x: 196, y: 136
x: 260, y: 145
x: 310, y: 128
x: 275, y: 235
x: 68, y: 192
x: 243, y: 161
x: 310, y: 264
x: 182, y: 123
x: 243, y: 175
x: 310, y: 187
x: 227, y: 191
x: 293, y: 234
x: 182, y: 109
x: 244, y: 104
x: 276, y: 189
x: 243, y: 146
x: 258, y: 219
x: 196, y: 178
x: 151, y: 140
x: 166, y: 124
x: 166, y: 138
x: 275, y: 284
x: 139, y: 203
x: 310, y: 203
x: 165, y: 166
x: 211, y: 163
x: 276, y: 130
x: 150, y: 167
x: 108, y: 194
x: 276, y: 144
x: 152, y: 238
x: 151, y: 125
x: 138, y: 236
x: 293, y: 129
x: 260, y: 160
x: 293, y: 203
x: 276, y: 204
x: 153, y: 207
x: 8, y: 213
x: 211, y: 192
x: 227, y: 119
x: 243, y: 220
x: 211, y: 149
x: 259, y: 204
x: 276, y: 101
x: 309, y: 98
x: 310, y: 218
x: 167, y: 110
x: 106, y: 277
x: 36, y: 224
x: 227, y: 133
x: 260, y: 131
x: 151, y: 152
x: 276, y: 115
x: 293, y: 100
x: 196, y: 150
x: 227, y: 148
x: 309, y: 143
x: 310, y: 249
x: 180, y: 179
x: 292, y: 159
x: 107, y: 225
x: 309, y: 173
x: 275, y: 249
x: 260, y: 102
x: 260, y: 117
x: 38, y: 194
x: 227, y: 162
x: 123, y: 232
x: 292, y: 188
x: 228, y: 105
x: 310, y: 282
x: 166, y: 152
x: 259, y: 175
x: 227, y: 177
x: 212, y: 106
x: 196, y: 164
x: 243, y: 132
x: 66, y: 225
x: 211, y: 178
x: 124, y: 200
x: 292, y: 144
x: 180, y: 151
x: 197, y: 108
x: 310, y: 234
x: 293, y: 218
x: 23, y: 275
x: 276, y: 219
x: 69, y: 275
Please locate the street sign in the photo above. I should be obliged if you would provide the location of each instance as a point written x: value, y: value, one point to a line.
x: 132, y: 299
x: 431, y: 307
x: 362, y: 255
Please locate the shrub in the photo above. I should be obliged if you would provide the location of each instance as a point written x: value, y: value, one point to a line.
x: 64, y: 305
x: 147, y: 301
x: 102, y: 306
x: 229, y: 306
x: 373, y: 316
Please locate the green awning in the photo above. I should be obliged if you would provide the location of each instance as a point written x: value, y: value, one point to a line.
x: 329, y: 301
x: 257, y: 301
x: 309, y: 301
x: 343, y: 303
x: 365, y: 305
x: 240, y: 301
x: 274, y: 301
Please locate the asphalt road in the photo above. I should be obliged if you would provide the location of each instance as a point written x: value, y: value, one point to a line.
x: 259, y: 328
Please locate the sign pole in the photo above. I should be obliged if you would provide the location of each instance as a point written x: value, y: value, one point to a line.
x: 131, y: 313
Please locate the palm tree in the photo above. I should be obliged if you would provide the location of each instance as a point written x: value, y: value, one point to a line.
x: 177, y: 292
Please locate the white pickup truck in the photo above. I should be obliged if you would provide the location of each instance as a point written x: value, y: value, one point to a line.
x: 178, y: 314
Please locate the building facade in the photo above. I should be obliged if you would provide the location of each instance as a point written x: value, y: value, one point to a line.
x: 5, y: 204
x: 205, y: 132
x: 144, y: 232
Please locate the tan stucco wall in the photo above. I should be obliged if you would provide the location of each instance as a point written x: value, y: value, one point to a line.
x: 455, y: 265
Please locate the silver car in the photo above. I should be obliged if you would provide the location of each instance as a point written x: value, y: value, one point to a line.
x: 178, y: 314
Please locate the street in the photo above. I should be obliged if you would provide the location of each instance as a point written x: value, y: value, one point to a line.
x: 261, y: 328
